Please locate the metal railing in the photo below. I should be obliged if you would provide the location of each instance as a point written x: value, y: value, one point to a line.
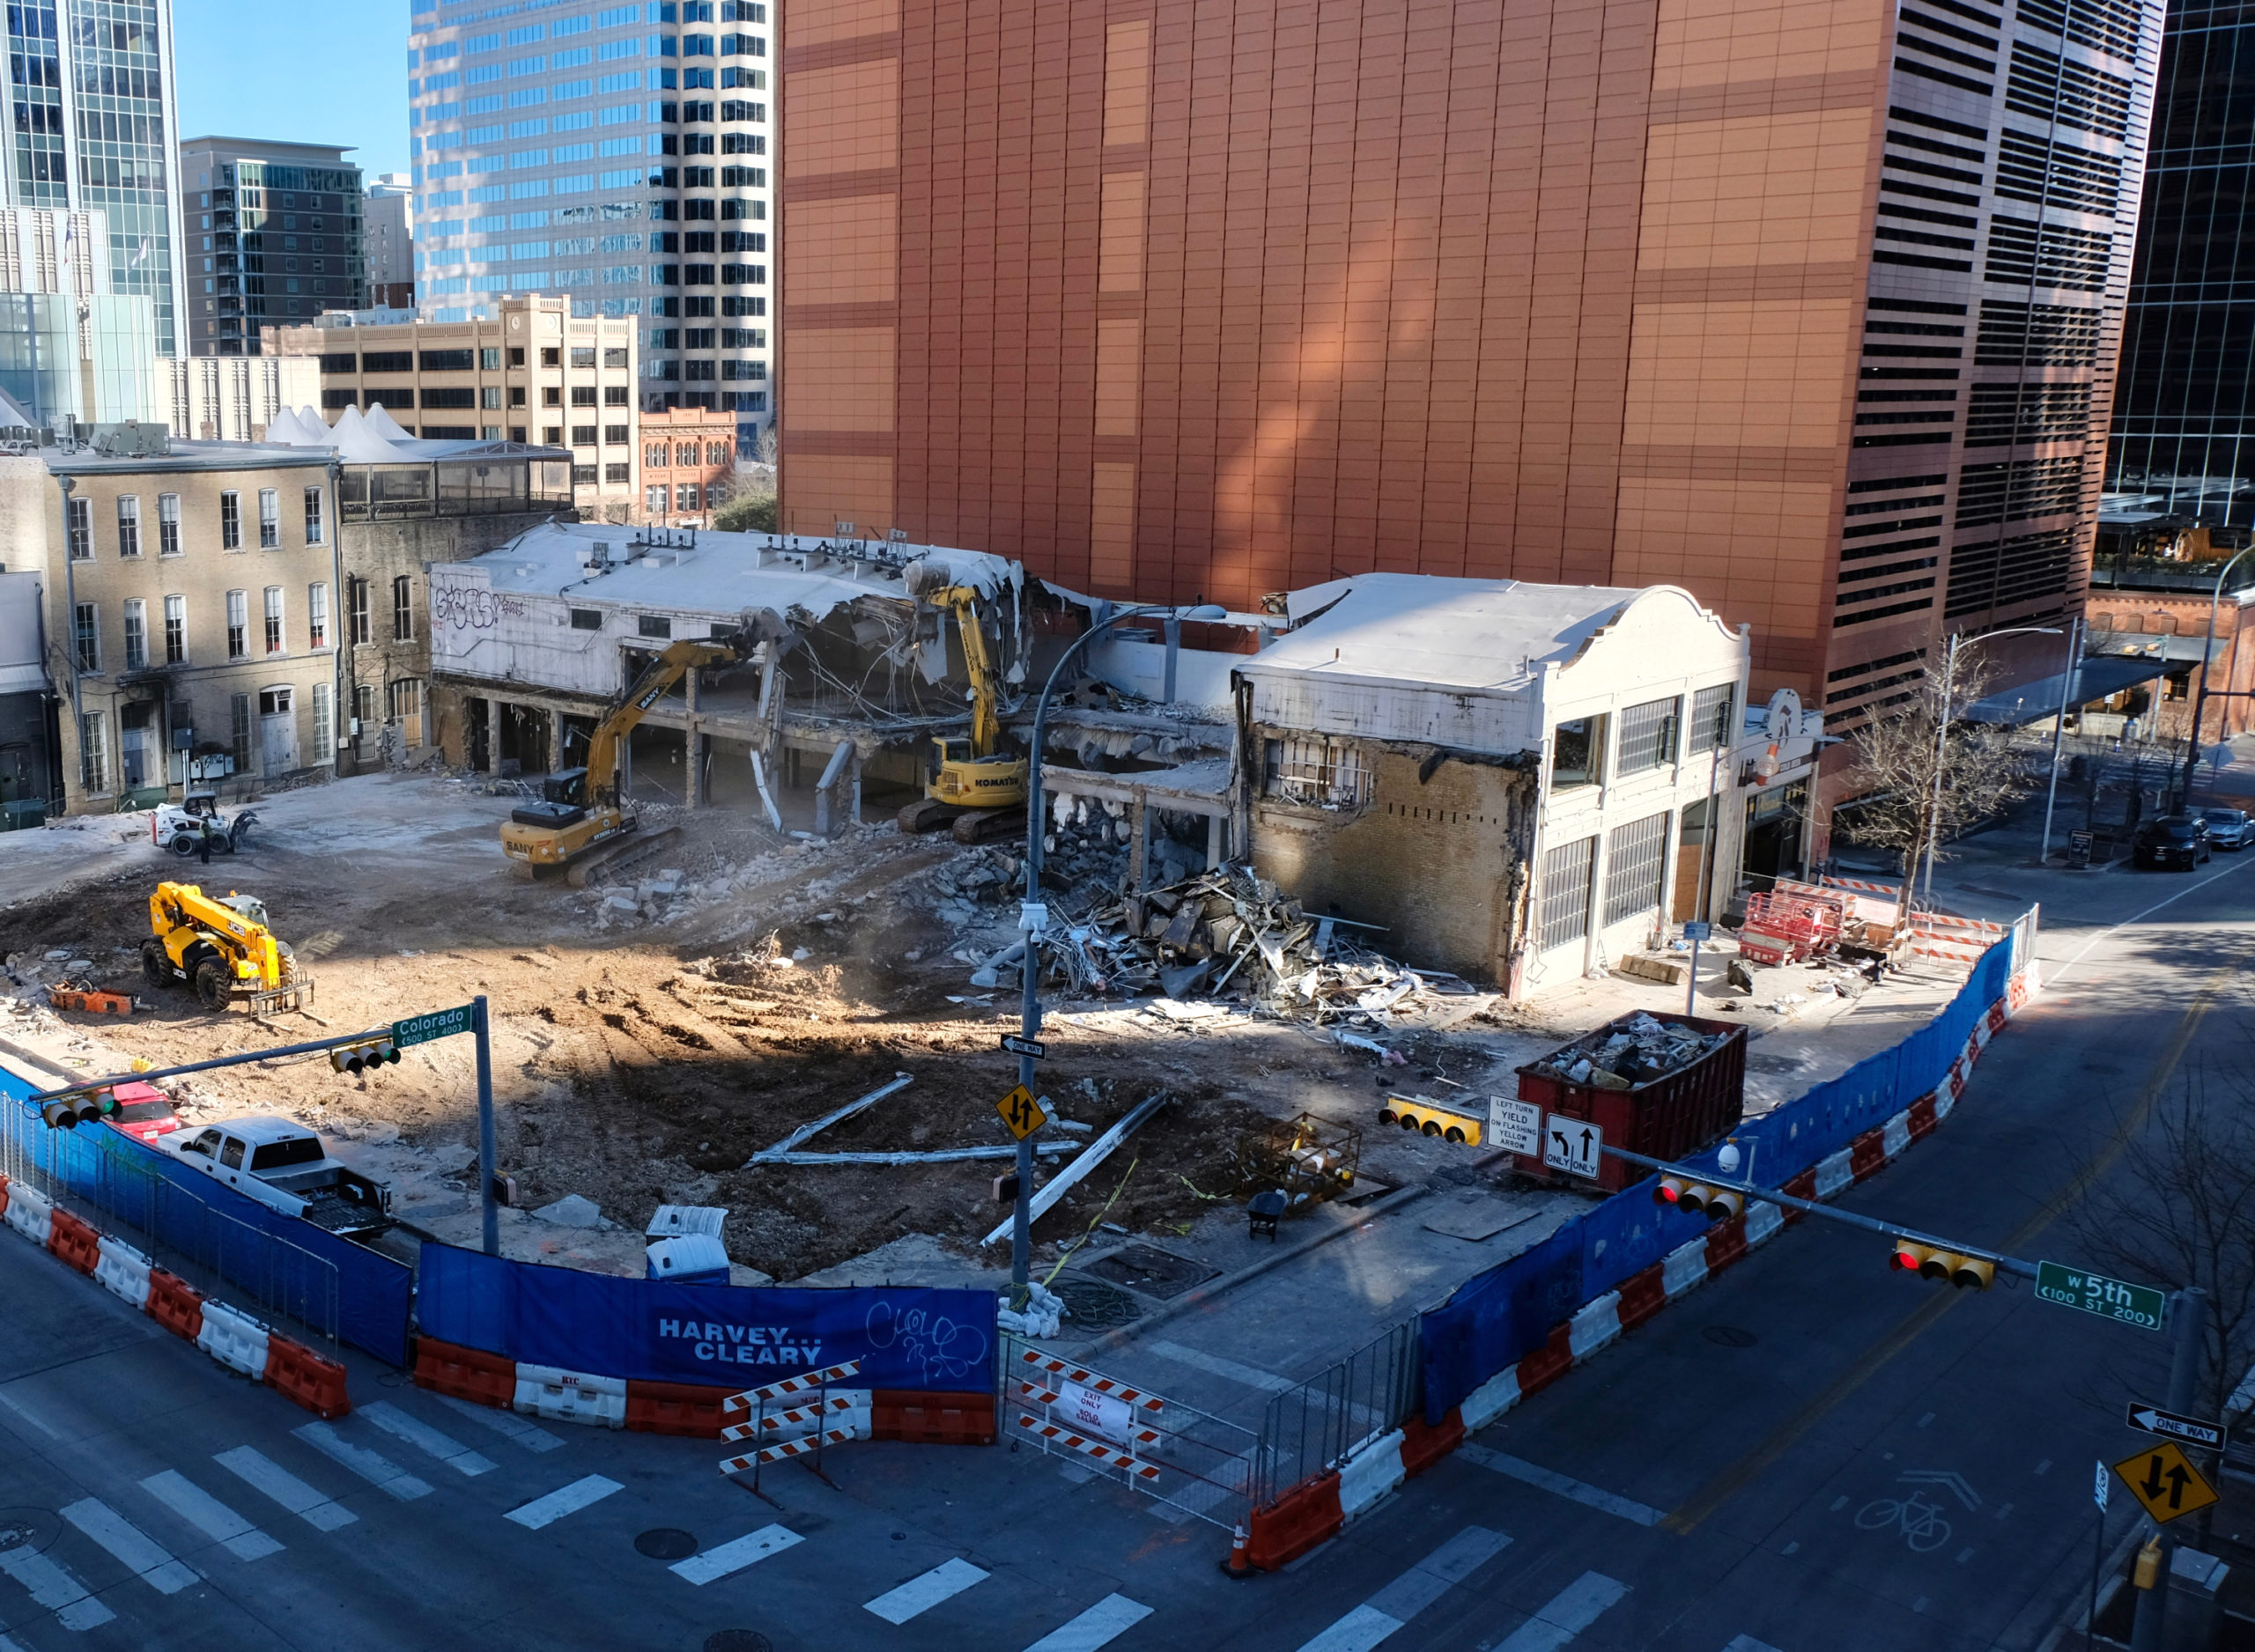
x: 1316, y: 1426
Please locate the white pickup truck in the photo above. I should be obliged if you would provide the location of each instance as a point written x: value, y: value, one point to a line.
x: 285, y: 1166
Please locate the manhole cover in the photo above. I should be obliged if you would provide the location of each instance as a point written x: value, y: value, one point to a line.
x: 1729, y: 1337
x: 665, y: 1543
x: 1774, y: 1064
x: 738, y: 1641
x: 1096, y: 1304
x: 1150, y: 1270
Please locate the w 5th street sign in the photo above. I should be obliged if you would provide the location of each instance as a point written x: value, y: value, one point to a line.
x: 2096, y: 1293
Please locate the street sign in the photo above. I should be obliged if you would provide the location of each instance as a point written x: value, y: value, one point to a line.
x: 2098, y: 1491
x: 440, y: 1023
x: 1517, y: 1125
x: 1698, y: 929
x: 2161, y: 1479
x: 1571, y: 1144
x: 2096, y: 1293
x: 1021, y: 1112
x: 2169, y: 1425
x: 1018, y: 1046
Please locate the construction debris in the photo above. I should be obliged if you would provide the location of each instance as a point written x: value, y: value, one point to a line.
x: 1094, y: 1155
x: 1628, y: 1053
x: 780, y: 1154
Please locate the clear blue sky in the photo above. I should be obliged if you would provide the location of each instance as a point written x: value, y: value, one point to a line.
x: 306, y: 71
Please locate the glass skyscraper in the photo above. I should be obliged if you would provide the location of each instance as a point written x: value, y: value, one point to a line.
x: 614, y: 154
x: 90, y: 110
x: 2185, y: 410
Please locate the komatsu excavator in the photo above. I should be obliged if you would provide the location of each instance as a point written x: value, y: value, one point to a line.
x: 580, y: 810
x: 975, y: 787
x: 224, y: 950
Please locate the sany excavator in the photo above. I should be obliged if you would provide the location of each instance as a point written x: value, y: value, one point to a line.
x: 223, y: 949
x: 580, y: 809
x: 976, y: 785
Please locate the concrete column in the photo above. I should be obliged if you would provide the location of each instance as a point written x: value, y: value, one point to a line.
x: 696, y: 745
x: 857, y: 786
x: 1213, y: 841
x: 1138, y: 842
x: 495, y: 711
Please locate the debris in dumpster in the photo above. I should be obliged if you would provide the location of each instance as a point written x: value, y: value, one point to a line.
x: 1630, y: 1052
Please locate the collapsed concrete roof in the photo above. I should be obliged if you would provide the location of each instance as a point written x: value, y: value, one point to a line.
x: 1452, y: 633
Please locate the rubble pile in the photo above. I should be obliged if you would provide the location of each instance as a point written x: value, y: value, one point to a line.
x: 1630, y: 1052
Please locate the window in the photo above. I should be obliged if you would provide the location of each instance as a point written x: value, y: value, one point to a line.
x: 364, y: 704
x: 317, y: 616
x: 615, y: 357
x: 313, y: 516
x: 1711, y: 716
x: 404, y: 699
x: 583, y: 436
x: 653, y: 499
x: 583, y: 394
x: 403, y: 609
x: 685, y: 453
x: 655, y: 454
x: 583, y: 355
x: 552, y: 395
x: 238, y: 729
x: 136, y: 634
x: 617, y: 474
x: 81, y: 529
x: 1566, y: 873
x: 269, y: 519
x: 586, y: 619
x: 1310, y: 769
x: 1632, y: 864
x: 550, y: 356
x: 1648, y: 735
x: 275, y: 701
x: 1577, y: 753
x: 716, y: 452
x: 654, y: 625
x: 490, y: 396
x: 616, y: 394
x: 324, y: 723
x: 490, y: 359
x: 686, y: 496
x: 93, y: 753
x: 168, y: 524
x: 356, y: 593
x: 448, y: 360
x: 129, y: 525
x: 275, y: 643
x: 230, y: 521
x: 616, y: 435
x: 237, y: 624
x: 86, y: 636
x: 176, y: 631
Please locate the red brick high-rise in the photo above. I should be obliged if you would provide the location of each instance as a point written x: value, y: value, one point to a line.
x: 1809, y: 306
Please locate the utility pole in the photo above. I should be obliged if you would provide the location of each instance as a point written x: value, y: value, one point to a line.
x: 487, y: 1168
x: 2190, y: 1312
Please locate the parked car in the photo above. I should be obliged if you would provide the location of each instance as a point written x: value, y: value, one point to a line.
x: 143, y: 1112
x: 285, y: 1166
x: 2174, y: 840
x: 2228, y: 828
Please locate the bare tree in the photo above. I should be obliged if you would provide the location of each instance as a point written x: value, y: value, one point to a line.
x: 1926, y: 774
x: 2178, y: 1210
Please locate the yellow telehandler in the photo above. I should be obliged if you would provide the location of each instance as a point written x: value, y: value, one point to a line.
x: 223, y: 949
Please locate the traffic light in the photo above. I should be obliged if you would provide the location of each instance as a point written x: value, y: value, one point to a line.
x: 1932, y: 1261
x: 371, y: 1052
x: 79, y: 1107
x: 1695, y: 1198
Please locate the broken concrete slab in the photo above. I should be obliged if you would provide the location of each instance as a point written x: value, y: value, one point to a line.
x: 572, y: 1210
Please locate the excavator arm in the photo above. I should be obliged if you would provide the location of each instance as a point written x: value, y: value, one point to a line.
x: 986, y: 703
x: 657, y: 678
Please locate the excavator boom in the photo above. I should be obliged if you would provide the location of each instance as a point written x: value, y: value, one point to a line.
x: 656, y: 681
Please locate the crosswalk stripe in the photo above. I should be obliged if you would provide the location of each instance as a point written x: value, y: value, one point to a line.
x: 262, y: 1474
x: 208, y: 1516
x: 135, y: 1549
x: 1114, y: 1615
x: 379, y: 1470
x: 921, y: 1594
x: 1411, y: 1593
x: 530, y: 1436
x: 1570, y: 1612
x: 1236, y: 1371
x: 54, y: 1588
x: 426, y: 1439
x: 569, y: 1500
x: 1748, y: 1643
x: 1563, y: 1485
x: 701, y: 1569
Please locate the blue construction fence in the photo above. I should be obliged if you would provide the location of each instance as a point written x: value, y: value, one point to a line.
x: 1495, y: 1319
x: 740, y: 1336
x: 287, y: 1266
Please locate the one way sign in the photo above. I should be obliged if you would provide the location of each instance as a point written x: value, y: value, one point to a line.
x: 2168, y: 1424
x: 1571, y: 1144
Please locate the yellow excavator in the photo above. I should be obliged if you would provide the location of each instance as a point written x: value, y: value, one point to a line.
x: 975, y: 786
x: 580, y: 809
x: 224, y: 950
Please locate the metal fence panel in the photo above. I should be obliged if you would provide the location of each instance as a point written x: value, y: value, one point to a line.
x: 1316, y: 1426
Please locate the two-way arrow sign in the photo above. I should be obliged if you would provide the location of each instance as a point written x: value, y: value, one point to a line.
x: 2165, y: 1482
x: 2170, y: 1425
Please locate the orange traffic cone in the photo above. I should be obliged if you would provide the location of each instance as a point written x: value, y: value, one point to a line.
x: 1238, y: 1565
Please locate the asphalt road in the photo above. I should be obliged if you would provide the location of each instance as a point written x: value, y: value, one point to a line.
x: 1811, y: 1453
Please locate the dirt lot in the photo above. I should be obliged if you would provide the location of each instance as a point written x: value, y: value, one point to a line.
x: 649, y: 1039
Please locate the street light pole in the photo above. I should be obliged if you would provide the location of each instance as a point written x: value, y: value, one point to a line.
x: 2208, y: 651
x: 1033, y: 915
x: 2058, y: 731
x: 2189, y: 1310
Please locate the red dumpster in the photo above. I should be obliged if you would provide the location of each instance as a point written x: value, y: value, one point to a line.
x: 1662, y: 1117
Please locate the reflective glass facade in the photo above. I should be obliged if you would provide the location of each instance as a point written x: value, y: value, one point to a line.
x: 2184, y: 412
